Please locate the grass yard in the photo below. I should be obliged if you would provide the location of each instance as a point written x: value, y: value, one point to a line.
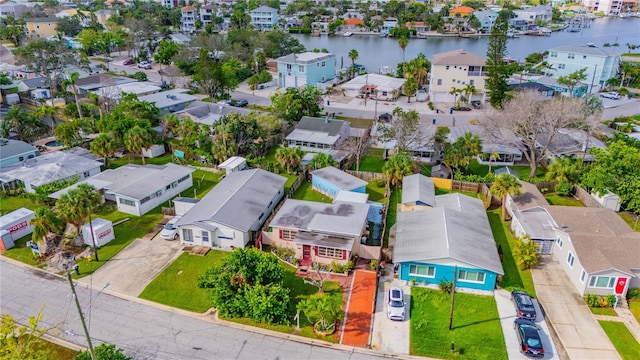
x: 12, y: 203
x: 305, y: 192
x: 631, y: 219
x: 134, y: 159
x: 603, y: 311
x: 622, y: 339
x: 372, y: 161
x: 477, y: 333
x: 357, y: 122
x: 375, y: 192
x: 513, y: 278
x: 476, y: 168
x: 394, y: 199
x: 22, y: 253
x: 555, y: 199
x: 634, y: 306
x: 203, y: 182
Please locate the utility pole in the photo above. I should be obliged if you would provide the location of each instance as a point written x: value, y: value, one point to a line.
x: 93, y: 238
x: 84, y: 325
x: 453, y: 295
x: 593, y: 78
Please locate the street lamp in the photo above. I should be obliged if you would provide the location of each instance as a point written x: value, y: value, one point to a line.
x: 75, y: 297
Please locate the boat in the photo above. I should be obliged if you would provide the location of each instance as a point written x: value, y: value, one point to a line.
x: 383, y: 34
x: 512, y: 34
x: 422, y: 35
x: 347, y: 34
x: 315, y: 33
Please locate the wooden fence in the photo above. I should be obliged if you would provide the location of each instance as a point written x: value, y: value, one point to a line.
x: 466, y: 186
x: 366, y: 175
x: 586, y: 198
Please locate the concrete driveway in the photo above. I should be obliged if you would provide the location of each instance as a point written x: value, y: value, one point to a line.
x: 390, y: 336
x: 507, y: 314
x: 133, y: 268
x: 578, y: 331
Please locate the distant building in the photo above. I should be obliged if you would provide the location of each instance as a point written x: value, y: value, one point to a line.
x: 209, y: 113
x: 264, y: 17
x: 601, y: 64
x: 318, y: 134
x: 388, y: 24
x: 170, y: 101
x: 41, y: 28
x: 188, y: 19
x: 487, y: 19
x: 608, y: 7
x: 462, y: 11
x: 15, y: 151
x: 169, y: 3
x: 12, y: 9
x: 456, y: 69
x: 309, y: 68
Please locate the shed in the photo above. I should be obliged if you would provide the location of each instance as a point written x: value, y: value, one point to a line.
x: 440, y: 171
x: 102, y: 232
x: 183, y: 204
x: 17, y: 223
x: 233, y: 164
x: 506, y: 170
x: 608, y: 199
x: 153, y: 151
x: 330, y: 180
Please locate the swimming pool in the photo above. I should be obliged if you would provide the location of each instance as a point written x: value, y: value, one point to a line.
x: 53, y: 143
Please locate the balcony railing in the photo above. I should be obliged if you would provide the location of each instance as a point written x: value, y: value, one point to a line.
x: 476, y: 73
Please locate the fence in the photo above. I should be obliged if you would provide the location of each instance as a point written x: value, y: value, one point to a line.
x: 546, y: 186
x: 586, y: 198
x: 366, y: 175
x: 369, y: 252
x: 292, y: 190
x: 465, y: 186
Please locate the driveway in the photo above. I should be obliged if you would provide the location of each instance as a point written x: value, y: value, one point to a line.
x: 578, y: 331
x: 507, y: 313
x: 357, y: 319
x: 391, y: 336
x: 133, y: 268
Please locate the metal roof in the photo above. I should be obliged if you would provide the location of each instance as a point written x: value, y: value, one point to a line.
x: 587, y: 50
x: 237, y: 201
x: 305, y: 58
x: 326, y: 125
x: 340, y: 178
x: 418, y: 188
x: 537, y: 223
x: 10, y: 148
x: 169, y: 98
x: 49, y: 167
x: 301, y: 215
x: 530, y: 196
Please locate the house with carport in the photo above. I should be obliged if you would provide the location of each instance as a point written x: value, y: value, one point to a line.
x: 232, y: 213
x: 320, y: 135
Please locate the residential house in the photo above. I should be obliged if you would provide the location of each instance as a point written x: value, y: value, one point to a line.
x: 207, y: 14
x: 601, y: 64
x: 487, y: 18
x: 103, y: 15
x: 530, y: 217
x: 503, y: 145
x: 138, y: 189
x: 35, y: 88
x: 209, y: 113
x: 608, y: 7
x: 231, y: 213
x: 534, y: 14
x: 418, y: 191
x: 353, y: 24
x: 456, y: 69
x: 597, y: 250
x: 451, y: 239
x: 418, y: 26
x: 543, y: 89
x: 49, y: 168
x: 12, y: 9
x: 318, y: 232
x: 579, y: 90
x: 382, y: 87
x: 461, y: 11
x: 319, y: 134
x: 388, y: 24
x: 142, y: 88
x: 41, y: 28
x: 308, y: 68
x: 264, y: 17
x: 170, y: 101
x: 181, y: 39
x: 85, y: 16
x: 233, y: 164
x: 188, y: 19
x: 97, y: 81
x: 169, y: 3
x: 330, y: 181
x: 569, y: 142
x: 15, y: 151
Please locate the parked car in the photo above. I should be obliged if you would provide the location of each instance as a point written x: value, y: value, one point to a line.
x: 386, y: 117
x: 239, y: 102
x: 170, y: 231
x: 145, y: 65
x: 128, y: 61
x: 477, y: 104
x: 524, y: 305
x: 610, y: 95
x: 529, y: 338
x: 395, y: 304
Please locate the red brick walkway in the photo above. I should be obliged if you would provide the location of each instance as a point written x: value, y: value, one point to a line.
x: 360, y: 309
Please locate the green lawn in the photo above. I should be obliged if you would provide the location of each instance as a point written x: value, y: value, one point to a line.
x: 622, y: 339
x: 305, y: 192
x: 631, y: 219
x: 477, y: 333
x: 394, y: 199
x: 357, y: 122
x: 23, y: 253
x: 634, y: 306
x: 603, y: 311
x: 134, y: 159
x: 476, y: 168
x: 12, y: 203
x: 555, y: 199
x: 513, y: 278
x: 375, y: 192
x: 372, y: 161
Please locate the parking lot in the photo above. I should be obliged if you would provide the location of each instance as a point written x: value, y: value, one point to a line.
x: 507, y: 313
x: 390, y: 336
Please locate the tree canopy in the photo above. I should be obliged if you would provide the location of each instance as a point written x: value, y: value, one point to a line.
x: 295, y: 103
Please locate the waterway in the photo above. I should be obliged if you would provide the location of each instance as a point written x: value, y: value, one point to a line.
x: 375, y: 52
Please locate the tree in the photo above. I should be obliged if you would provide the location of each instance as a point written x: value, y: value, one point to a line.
x: 24, y: 123
x: 525, y: 252
x: 18, y: 342
x: 103, y: 351
x: 209, y: 76
x: 295, y: 103
x: 468, y: 91
x: 321, y: 160
x: 403, y: 42
x: 167, y: 49
x: 410, y: 88
x: 138, y: 139
x: 493, y: 155
x: 13, y: 30
x: 404, y: 129
x: 103, y: 146
x: 503, y: 185
x: 69, y: 26
x: 322, y: 311
x: 248, y: 284
x: 356, y: 147
x: 396, y: 167
x: 68, y: 133
x: 74, y: 206
x: 71, y: 82
x: 44, y: 222
x: 563, y: 169
x: 535, y: 122
x: 573, y: 79
x: 288, y: 157
x: 353, y: 55
x: 495, y: 67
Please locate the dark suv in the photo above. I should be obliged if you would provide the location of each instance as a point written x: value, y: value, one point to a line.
x: 524, y: 305
x: 239, y: 102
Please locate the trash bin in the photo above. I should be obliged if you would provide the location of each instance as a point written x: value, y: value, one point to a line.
x: 451, y: 111
x: 433, y: 121
x: 328, y: 102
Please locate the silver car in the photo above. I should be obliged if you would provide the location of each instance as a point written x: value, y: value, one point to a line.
x: 170, y: 231
x: 395, y: 304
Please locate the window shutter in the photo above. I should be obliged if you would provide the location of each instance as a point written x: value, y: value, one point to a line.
x: 315, y: 249
x: 280, y: 234
x: 344, y: 254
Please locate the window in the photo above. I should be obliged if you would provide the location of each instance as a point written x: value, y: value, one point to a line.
x: 187, y: 235
x: 553, y: 54
x: 300, y: 68
x: 472, y: 82
x: 183, y: 178
x: 86, y: 174
x: 21, y: 158
x: 323, y: 64
x: 582, y: 276
x: 605, y: 282
x: 571, y: 56
x: 453, y: 80
x: 560, y: 66
x: 168, y: 187
x: 446, y: 67
x: 288, y: 234
x: 289, y: 66
x: 205, y: 236
x: 570, y: 259
x: 439, y: 81
x: 422, y: 270
x: 329, y: 252
x: 560, y: 242
x: 127, y: 202
x: 584, y: 56
x: 471, y: 276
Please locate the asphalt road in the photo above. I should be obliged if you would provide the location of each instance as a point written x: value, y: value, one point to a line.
x: 147, y: 332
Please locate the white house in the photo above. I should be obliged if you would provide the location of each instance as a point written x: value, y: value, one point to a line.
x: 456, y: 69
x: 188, y: 18
x: 15, y: 151
x: 263, y: 17
x: 318, y: 134
x: 382, y: 87
x: 209, y: 113
x: 506, y: 150
x: 233, y: 211
x: 601, y: 64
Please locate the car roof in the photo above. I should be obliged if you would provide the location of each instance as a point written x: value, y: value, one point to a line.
x: 395, y: 291
x: 520, y: 321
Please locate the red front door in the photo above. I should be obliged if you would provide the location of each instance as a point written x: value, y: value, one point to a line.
x: 620, y: 285
x: 306, y: 252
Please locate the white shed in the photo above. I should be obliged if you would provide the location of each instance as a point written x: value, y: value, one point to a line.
x: 153, y: 151
x: 233, y: 164
x: 17, y: 223
x: 102, y: 232
x: 608, y: 199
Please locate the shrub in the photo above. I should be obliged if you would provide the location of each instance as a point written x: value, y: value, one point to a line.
x: 431, y: 107
x: 284, y: 253
x: 634, y: 294
x: 139, y: 75
x: 380, y: 183
x: 564, y: 188
x: 446, y: 286
x: 611, y: 300
x: 592, y: 300
x: 525, y: 253
x: 373, y: 265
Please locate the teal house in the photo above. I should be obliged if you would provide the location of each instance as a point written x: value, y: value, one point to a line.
x: 330, y: 181
x: 309, y: 68
x: 446, y: 239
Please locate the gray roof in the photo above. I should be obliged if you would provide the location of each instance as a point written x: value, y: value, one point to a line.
x: 305, y: 58
x: 325, y: 125
x: 36, y: 83
x: 529, y: 197
x: 339, y: 218
x: 324, y: 240
x: 169, y: 98
x: 418, y: 188
x: 237, y: 201
x: 537, y: 223
x: 48, y: 168
x: 457, y: 57
x: 10, y: 148
x: 502, y: 142
x: 506, y: 170
x: 459, y: 230
x: 340, y: 178
x: 264, y: 8
x: 80, y: 151
x: 209, y: 113
x: 588, y: 50
x: 571, y: 142
x: 97, y: 81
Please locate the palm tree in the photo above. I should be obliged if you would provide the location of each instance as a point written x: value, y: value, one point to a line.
x: 492, y: 157
x: 24, y: 123
x: 68, y: 133
x: 503, y: 185
x: 471, y: 143
x: 74, y: 207
x: 422, y: 69
x: 321, y: 160
x: 71, y: 81
x: 138, y: 139
x: 104, y: 146
x: 403, y: 42
x: 95, y: 104
x: 44, y: 222
x: 353, y: 55
x: 468, y: 91
x: 410, y: 88
x: 396, y: 167
x: 45, y: 111
x: 525, y: 253
x: 288, y: 157
x: 455, y: 92
x: 563, y: 169
x: 170, y: 122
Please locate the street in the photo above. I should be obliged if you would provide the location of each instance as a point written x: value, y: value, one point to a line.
x: 145, y: 331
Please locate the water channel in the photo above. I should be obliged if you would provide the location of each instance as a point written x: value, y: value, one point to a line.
x: 375, y: 52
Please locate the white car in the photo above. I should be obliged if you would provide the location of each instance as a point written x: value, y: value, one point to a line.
x: 170, y: 231
x: 395, y: 304
x: 610, y: 95
x: 145, y: 65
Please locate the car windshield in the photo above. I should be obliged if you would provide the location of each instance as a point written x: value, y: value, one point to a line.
x: 169, y: 226
x: 525, y: 301
x: 533, y: 342
x: 396, y: 303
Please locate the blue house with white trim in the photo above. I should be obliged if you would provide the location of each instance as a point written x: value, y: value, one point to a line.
x: 264, y: 17
x: 330, y: 181
x: 453, y: 235
x: 309, y: 68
